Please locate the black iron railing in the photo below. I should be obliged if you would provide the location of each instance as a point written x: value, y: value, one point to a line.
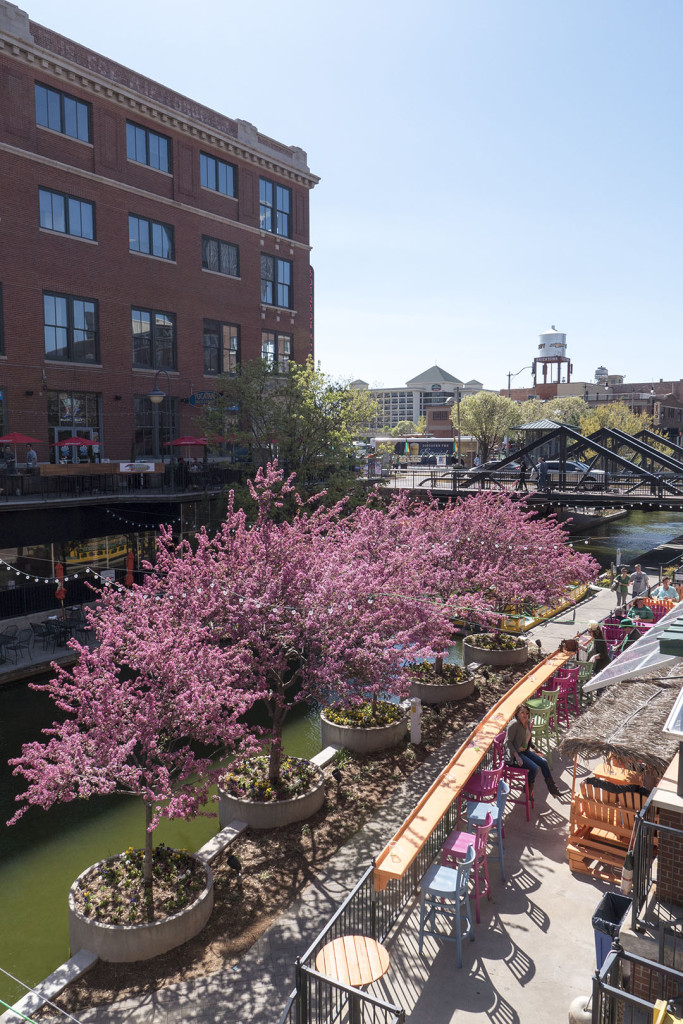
x: 627, y: 987
x: 173, y: 480
x: 653, y: 887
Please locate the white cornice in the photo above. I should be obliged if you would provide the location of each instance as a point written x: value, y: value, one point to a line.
x: 99, y: 85
x: 123, y: 186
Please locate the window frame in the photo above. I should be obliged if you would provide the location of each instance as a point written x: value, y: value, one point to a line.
x: 219, y: 162
x: 63, y: 118
x: 68, y: 198
x: 2, y: 326
x: 151, y: 224
x: 70, y: 329
x: 280, y: 359
x: 154, y: 364
x: 217, y: 326
x: 270, y: 210
x: 148, y: 133
x: 220, y: 242
x: 277, y: 262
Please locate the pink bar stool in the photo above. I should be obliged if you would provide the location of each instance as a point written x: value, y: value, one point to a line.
x: 455, y: 849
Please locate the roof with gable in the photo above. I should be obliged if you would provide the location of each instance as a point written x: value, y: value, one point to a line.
x: 434, y: 375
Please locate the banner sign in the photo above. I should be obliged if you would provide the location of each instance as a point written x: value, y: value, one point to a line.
x: 203, y: 397
x: 136, y: 467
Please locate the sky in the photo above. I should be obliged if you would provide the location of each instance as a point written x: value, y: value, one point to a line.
x: 488, y: 168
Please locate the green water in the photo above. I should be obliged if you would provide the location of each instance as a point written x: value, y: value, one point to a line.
x: 635, y: 534
x: 42, y: 854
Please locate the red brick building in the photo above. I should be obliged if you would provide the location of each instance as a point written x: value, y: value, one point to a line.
x: 139, y: 232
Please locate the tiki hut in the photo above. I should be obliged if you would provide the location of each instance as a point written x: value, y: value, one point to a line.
x: 626, y: 723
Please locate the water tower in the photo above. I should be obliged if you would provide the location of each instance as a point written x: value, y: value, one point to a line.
x: 552, y: 355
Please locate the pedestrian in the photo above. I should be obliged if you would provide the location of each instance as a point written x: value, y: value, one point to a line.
x: 666, y: 592
x: 520, y: 752
x: 31, y: 459
x: 598, y: 651
x: 521, y: 480
x: 542, y: 474
x: 10, y: 462
x: 476, y: 462
x: 620, y: 586
x: 639, y: 581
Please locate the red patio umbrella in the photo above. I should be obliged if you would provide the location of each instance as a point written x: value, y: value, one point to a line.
x: 129, y: 569
x: 14, y: 439
x: 75, y: 440
x: 60, y: 592
x: 189, y: 441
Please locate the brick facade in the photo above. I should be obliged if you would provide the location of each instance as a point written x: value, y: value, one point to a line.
x: 34, y: 260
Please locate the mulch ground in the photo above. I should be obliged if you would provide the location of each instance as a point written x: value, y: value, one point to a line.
x: 278, y: 864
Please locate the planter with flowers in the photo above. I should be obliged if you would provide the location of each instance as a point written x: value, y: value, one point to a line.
x: 438, y: 683
x: 114, y: 914
x: 495, y: 649
x: 246, y: 793
x: 364, y: 727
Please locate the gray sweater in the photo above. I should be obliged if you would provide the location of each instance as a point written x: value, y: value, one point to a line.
x: 517, y: 739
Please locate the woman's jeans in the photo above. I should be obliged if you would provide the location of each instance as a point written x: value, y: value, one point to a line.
x: 532, y: 762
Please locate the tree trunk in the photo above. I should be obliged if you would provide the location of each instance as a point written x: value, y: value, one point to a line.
x: 438, y: 666
x: 147, y: 875
x: 275, y: 760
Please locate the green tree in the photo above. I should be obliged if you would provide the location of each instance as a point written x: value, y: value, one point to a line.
x: 303, y: 418
x: 403, y: 428
x: 615, y: 415
x: 567, y: 409
x: 488, y: 418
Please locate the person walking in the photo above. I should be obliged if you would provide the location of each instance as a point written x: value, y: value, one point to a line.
x: 31, y: 459
x: 639, y: 581
x: 620, y: 586
x: 520, y: 752
x: 542, y: 474
x: 521, y: 480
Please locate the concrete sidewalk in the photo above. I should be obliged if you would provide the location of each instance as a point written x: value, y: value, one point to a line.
x: 534, y: 950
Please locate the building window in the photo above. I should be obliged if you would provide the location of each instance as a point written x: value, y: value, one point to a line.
x: 276, y: 281
x: 70, y: 328
x: 62, y: 113
x: 154, y: 339
x: 152, y: 427
x: 2, y: 410
x: 147, y: 147
x: 217, y: 175
x: 221, y: 347
x: 74, y: 412
x: 221, y: 257
x: 276, y: 349
x: 67, y: 214
x: 150, y: 237
x: 275, y: 207
x: 2, y: 329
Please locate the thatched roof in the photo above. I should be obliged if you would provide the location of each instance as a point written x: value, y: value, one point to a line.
x: 626, y: 721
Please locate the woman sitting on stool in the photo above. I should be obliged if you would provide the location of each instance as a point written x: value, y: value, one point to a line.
x: 519, y: 744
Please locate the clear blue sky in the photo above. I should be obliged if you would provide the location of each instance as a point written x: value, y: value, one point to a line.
x: 489, y: 167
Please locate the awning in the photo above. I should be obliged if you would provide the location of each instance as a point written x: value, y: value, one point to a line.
x: 640, y: 658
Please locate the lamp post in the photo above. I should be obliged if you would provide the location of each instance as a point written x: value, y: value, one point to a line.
x: 511, y: 375
x: 457, y: 399
x: 156, y: 397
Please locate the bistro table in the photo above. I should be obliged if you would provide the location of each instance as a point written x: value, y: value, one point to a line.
x: 354, y: 960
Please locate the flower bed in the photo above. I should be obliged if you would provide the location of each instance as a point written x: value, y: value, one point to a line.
x: 453, y: 683
x: 355, y: 728
x: 108, y: 906
x: 495, y: 649
x: 247, y: 794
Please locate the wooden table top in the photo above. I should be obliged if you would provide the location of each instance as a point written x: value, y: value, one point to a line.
x: 354, y: 960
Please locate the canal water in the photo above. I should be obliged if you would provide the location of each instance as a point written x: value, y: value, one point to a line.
x: 46, y: 850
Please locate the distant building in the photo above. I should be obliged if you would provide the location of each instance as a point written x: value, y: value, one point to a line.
x: 419, y: 397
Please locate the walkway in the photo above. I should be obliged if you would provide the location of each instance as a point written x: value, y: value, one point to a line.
x: 534, y: 950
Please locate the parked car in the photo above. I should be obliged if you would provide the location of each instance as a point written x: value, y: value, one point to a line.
x: 575, y: 472
x: 493, y: 468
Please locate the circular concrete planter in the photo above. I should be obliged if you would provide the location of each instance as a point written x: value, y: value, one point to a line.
x: 272, y: 813
x: 124, y: 943
x: 362, y: 740
x: 441, y: 693
x: 471, y: 653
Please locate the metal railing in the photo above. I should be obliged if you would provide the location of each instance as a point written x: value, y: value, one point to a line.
x: 627, y: 987
x: 317, y: 999
x: 653, y: 893
x: 173, y: 480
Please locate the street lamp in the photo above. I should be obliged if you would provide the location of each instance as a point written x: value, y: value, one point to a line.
x: 156, y: 397
x: 457, y: 398
x: 511, y: 375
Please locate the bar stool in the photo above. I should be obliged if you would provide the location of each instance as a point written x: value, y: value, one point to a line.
x: 445, y: 891
x: 476, y: 816
x: 455, y: 848
x: 517, y: 778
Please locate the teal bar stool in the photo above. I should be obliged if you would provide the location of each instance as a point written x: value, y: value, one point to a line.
x: 445, y: 893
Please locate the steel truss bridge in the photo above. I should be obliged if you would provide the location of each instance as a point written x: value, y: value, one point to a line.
x: 643, y: 471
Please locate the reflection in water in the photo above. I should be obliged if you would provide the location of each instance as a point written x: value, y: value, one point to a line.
x: 635, y: 534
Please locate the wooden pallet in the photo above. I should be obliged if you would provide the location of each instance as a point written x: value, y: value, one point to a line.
x: 600, y: 829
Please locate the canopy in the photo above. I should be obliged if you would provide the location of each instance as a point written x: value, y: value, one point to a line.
x: 641, y: 659
x: 74, y: 440
x: 627, y: 722
x: 189, y: 441
x: 16, y: 438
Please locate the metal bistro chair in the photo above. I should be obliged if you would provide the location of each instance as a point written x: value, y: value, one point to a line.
x: 476, y: 816
x: 40, y: 632
x: 517, y: 778
x: 445, y: 891
x: 22, y: 642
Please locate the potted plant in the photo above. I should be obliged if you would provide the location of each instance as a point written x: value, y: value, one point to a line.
x: 438, y: 682
x: 495, y: 649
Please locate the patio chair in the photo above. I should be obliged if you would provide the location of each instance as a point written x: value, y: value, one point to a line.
x: 22, y: 642
x: 612, y: 631
x: 40, y: 632
x: 456, y: 848
x: 445, y: 892
x: 476, y: 815
x: 540, y: 726
x: 568, y: 680
x: 586, y: 672
x: 547, y: 697
x: 9, y: 633
x: 517, y: 778
x: 482, y: 786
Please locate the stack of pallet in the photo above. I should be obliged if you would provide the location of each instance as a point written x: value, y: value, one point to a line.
x: 601, y: 827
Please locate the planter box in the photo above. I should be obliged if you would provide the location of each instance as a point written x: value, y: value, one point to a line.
x: 441, y: 693
x: 495, y: 658
x: 362, y: 741
x: 124, y: 943
x: 272, y: 813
